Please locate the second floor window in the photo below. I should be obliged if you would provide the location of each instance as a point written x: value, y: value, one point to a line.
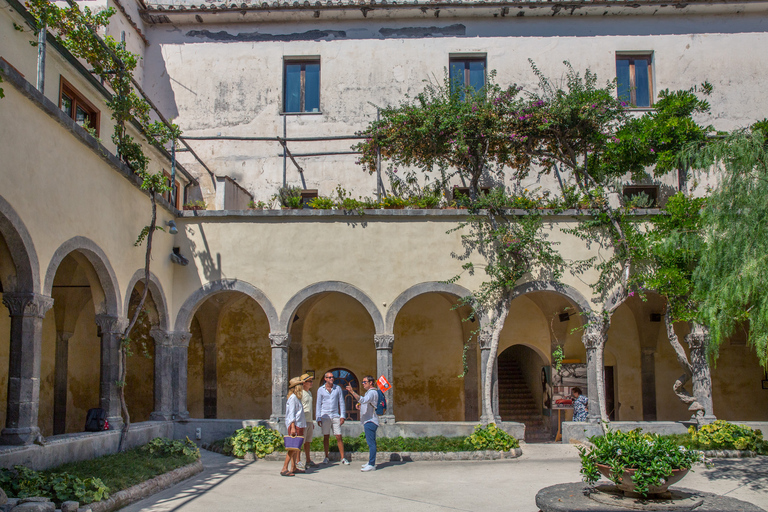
x: 301, y: 86
x: 466, y: 72
x: 634, y: 77
x: 77, y: 107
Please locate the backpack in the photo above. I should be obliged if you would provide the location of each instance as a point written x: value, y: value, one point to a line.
x: 381, y: 405
x: 96, y: 420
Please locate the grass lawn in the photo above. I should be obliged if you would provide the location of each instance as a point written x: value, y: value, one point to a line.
x: 123, y: 470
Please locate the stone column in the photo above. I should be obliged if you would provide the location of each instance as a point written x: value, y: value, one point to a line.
x: 701, y: 386
x: 111, y: 332
x: 163, y: 375
x: 281, y: 344
x: 180, y: 353
x: 61, y: 373
x: 648, y: 383
x: 27, y: 311
x: 592, y: 339
x: 484, y: 340
x: 384, y: 344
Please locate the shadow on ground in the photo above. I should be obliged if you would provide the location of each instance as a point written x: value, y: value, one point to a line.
x: 750, y: 472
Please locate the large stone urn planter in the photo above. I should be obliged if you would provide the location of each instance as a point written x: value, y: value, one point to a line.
x: 627, y: 485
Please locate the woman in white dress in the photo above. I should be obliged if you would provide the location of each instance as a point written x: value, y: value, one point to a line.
x: 296, y: 423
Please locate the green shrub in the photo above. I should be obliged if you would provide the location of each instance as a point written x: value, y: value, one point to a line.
x: 653, y: 456
x: 22, y: 482
x: 322, y: 203
x: 491, y: 438
x: 393, y: 202
x: 722, y: 435
x: 290, y: 197
x: 258, y: 440
x: 169, y: 447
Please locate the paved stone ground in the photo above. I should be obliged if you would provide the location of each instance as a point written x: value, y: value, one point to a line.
x: 230, y: 485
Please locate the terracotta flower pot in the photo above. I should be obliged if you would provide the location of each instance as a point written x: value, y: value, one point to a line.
x: 628, y: 485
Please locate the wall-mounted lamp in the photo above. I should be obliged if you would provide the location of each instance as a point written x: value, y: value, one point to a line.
x: 177, y: 258
x: 564, y: 317
x: 655, y: 317
x: 172, y: 229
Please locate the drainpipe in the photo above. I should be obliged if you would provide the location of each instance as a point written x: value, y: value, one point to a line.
x: 41, y: 40
x: 173, y: 173
x: 285, y: 154
x: 378, y: 164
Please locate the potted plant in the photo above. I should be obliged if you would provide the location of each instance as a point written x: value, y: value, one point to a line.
x: 290, y: 198
x: 195, y: 205
x: 636, y: 462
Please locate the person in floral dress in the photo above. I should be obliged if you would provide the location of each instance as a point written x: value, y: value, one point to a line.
x: 580, y: 405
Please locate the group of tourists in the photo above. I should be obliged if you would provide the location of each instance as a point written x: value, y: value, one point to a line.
x: 330, y: 413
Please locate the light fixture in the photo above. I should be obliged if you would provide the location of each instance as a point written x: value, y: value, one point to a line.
x: 177, y: 258
x: 172, y: 229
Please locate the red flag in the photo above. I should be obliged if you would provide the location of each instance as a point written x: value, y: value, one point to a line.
x: 384, y: 384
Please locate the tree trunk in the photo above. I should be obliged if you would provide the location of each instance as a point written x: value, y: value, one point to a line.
x: 125, y: 342
x: 701, y: 386
x: 497, y: 317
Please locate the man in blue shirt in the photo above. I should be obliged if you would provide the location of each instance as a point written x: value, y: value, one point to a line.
x: 330, y: 412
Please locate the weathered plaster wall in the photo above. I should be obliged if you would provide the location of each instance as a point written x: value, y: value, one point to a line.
x: 195, y: 383
x: 367, y: 62
x: 624, y: 345
x: 84, y: 370
x: 427, y: 359
x: 736, y: 384
x: 89, y: 198
x: 338, y: 333
x: 244, y: 362
x: 140, y: 379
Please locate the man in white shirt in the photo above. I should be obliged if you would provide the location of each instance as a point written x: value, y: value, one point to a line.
x: 330, y: 412
x: 368, y: 418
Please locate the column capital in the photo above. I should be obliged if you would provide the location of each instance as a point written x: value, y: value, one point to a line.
x: 384, y: 341
x: 279, y: 339
x: 27, y: 304
x: 181, y: 338
x: 648, y: 351
x: 592, y: 337
x: 64, y: 335
x: 484, y: 340
x: 162, y: 338
x: 110, y: 324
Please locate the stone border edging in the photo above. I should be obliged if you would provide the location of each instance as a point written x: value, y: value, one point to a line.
x: 382, y: 457
x: 728, y: 454
x: 147, y: 488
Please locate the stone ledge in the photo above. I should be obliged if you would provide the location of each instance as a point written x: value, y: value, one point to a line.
x: 140, y: 491
x: 728, y: 454
x: 382, y: 457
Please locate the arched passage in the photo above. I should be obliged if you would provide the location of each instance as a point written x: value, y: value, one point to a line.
x: 428, y: 358
x: 79, y: 348
x: 332, y: 325
x: 543, y: 316
x: 19, y: 273
x: 229, y: 355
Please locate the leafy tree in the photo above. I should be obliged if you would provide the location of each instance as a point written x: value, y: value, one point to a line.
x: 732, y: 275
x: 445, y: 129
x: 77, y: 30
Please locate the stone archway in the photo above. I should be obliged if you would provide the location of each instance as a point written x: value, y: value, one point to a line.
x: 228, y: 366
x: 21, y: 332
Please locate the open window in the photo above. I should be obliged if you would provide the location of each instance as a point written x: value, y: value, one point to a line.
x: 76, y: 106
x: 644, y: 196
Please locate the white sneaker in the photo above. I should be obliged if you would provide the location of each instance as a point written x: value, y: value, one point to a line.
x: 326, y: 461
x: 345, y: 462
x: 368, y: 467
x: 300, y: 465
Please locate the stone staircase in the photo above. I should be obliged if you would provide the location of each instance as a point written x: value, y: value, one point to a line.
x: 516, y: 403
